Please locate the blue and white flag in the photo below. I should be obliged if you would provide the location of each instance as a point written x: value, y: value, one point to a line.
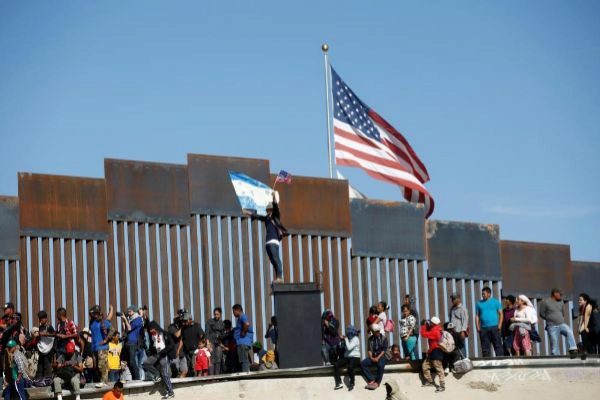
x: 254, y: 196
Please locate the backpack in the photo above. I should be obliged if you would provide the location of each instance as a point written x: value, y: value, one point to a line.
x: 389, y: 326
x: 32, y: 363
x: 447, y: 342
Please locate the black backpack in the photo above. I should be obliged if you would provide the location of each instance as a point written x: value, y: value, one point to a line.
x: 594, y: 324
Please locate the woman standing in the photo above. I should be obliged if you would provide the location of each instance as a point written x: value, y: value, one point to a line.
x: 521, y: 325
x: 408, y: 324
x: 274, y: 233
x: 585, y: 313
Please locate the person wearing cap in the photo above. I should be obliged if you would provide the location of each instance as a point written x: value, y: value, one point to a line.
x: 459, y: 318
x: 351, y: 358
x: 18, y: 372
x: 85, y: 349
x: 551, y: 311
x: 45, y: 346
x: 133, y: 324
x: 376, y: 347
x: 432, y: 331
x: 191, y: 333
x: 68, y: 367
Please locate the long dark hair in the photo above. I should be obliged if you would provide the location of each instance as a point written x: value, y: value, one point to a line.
x: 585, y: 298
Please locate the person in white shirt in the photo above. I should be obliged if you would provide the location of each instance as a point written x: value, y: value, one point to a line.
x: 382, y: 318
x: 521, y: 324
x: 351, y: 357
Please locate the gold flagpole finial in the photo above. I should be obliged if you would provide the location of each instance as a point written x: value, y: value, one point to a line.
x: 325, y: 47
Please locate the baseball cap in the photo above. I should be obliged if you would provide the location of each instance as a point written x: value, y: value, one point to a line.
x: 11, y: 343
x: 435, y: 320
x: 132, y: 307
x: 70, y: 348
x: 9, y: 305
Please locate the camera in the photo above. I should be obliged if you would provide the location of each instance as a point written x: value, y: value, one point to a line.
x: 119, y: 313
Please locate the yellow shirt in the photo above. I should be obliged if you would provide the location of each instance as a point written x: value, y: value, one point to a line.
x: 114, y: 355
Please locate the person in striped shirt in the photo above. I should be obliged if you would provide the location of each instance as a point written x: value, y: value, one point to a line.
x: 18, y: 373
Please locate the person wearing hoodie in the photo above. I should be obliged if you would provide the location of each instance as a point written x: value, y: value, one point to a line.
x: 521, y: 325
x: 351, y: 358
x: 393, y: 391
x: 133, y: 324
x: 158, y: 363
x: 432, y: 331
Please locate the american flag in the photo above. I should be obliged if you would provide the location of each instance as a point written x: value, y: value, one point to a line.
x: 364, y: 139
x: 284, y: 177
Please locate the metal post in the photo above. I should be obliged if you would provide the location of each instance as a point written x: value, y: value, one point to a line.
x: 325, y: 49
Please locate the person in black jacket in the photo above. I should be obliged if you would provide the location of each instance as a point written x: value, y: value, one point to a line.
x: 157, y: 364
x: 274, y: 233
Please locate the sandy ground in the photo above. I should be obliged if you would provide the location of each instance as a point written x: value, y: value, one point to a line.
x: 515, y: 383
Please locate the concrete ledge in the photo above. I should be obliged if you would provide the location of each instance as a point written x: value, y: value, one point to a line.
x: 138, y: 387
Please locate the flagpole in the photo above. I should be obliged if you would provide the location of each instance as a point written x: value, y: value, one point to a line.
x: 325, y: 48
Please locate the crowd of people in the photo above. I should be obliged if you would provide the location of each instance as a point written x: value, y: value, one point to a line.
x: 506, y: 328
x: 66, y: 355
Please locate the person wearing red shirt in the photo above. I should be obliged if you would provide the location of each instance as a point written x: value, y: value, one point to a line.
x: 433, y: 332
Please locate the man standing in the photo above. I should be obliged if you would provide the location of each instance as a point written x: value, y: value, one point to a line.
x: 45, y: 347
x: 66, y: 331
x: 133, y: 326
x: 489, y: 321
x: 214, y: 333
x: 16, y: 373
x: 459, y: 318
x: 551, y: 311
x: 244, y: 337
x: 101, y: 332
x: 191, y: 333
x: 507, y: 335
x: 376, y: 348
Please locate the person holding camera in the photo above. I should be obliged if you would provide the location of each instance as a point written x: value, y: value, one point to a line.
x: 133, y: 324
x: 432, y: 331
x: 101, y: 330
x: 179, y: 363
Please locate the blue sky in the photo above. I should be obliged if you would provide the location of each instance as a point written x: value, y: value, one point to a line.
x: 501, y: 100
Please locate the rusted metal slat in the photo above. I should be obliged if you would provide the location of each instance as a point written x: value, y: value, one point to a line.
x: 102, y: 285
x: 3, y: 278
x: 285, y: 252
x: 164, y: 267
x: 12, y: 274
x: 306, y: 260
x: 154, y: 276
x: 345, y: 282
x: 175, y: 294
x: 80, y: 279
x: 34, y: 275
x: 122, y: 271
x: 91, y: 274
x: 185, y: 268
x: 9, y: 228
x: 246, y: 302
x: 335, y: 276
x: 296, y: 256
x: 69, y: 278
x: 326, y: 271
x: 355, y: 265
x: 144, y: 282
x: 205, y: 267
x: 423, y: 293
x: 132, y: 245
x: 394, y: 300
x: 236, y: 265
x: 431, y: 298
x: 112, y: 269
x: 383, y: 279
x: 226, y: 264
x: 196, y: 299
x: 267, y: 278
x: 316, y: 272
x: 23, y: 300
x: 216, y: 261
x: 258, y: 295
x: 365, y: 301
x: 47, y: 285
x: 58, y: 278
x: 373, y: 272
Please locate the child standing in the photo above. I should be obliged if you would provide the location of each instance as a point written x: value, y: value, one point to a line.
x: 114, y: 358
x: 202, y: 358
